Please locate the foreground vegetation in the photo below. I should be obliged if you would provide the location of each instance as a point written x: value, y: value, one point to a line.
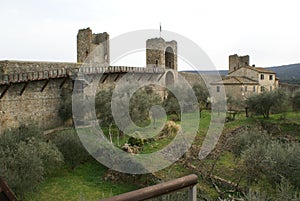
x: 84, y: 182
x: 54, y: 167
x: 256, y: 158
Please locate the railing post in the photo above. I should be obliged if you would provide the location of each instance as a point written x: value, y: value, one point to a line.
x: 192, y: 194
x: 189, y: 182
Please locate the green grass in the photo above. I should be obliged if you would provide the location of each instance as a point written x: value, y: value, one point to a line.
x: 288, y: 123
x: 155, y: 146
x: 173, y: 172
x: 85, y: 182
x: 239, y: 121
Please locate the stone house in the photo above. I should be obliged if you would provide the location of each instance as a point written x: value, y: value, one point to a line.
x: 244, y: 80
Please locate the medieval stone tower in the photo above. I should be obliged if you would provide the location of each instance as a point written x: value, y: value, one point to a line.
x: 236, y: 62
x: 87, y: 42
x: 161, y: 53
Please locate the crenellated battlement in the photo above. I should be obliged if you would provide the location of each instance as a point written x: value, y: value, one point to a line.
x: 24, y: 71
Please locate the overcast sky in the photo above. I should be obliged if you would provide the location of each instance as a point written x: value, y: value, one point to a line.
x: 268, y: 31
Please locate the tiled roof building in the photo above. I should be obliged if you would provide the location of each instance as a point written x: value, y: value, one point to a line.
x: 244, y: 80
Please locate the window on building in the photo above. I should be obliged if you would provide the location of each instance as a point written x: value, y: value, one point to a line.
x: 241, y: 88
x: 262, y: 76
x: 270, y: 77
x: 246, y: 88
x: 218, y: 88
x: 262, y: 88
x: 156, y: 63
x: 254, y: 88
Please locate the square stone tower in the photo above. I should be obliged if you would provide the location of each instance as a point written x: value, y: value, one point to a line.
x: 161, y: 53
x: 236, y: 62
x: 95, y: 44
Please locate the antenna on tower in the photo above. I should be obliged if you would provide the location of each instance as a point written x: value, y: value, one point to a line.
x: 160, y: 29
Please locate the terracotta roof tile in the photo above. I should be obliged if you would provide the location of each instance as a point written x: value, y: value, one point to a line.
x: 227, y: 80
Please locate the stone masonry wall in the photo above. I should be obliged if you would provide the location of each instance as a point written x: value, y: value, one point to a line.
x: 7, y: 67
x: 192, y: 78
x: 236, y: 62
x: 32, y: 106
x: 87, y: 42
x: 156, y: 53
x: 38, y: 102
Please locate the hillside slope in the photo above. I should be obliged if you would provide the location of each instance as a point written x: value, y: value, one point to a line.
x: 286, y: 73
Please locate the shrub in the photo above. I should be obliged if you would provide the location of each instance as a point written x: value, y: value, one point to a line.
x: 103, y: 106
x: 135, y: 141
x: 70, y: 146
x: 174, y: 117
x: 25, y: 158
x: 170, y: 130
x: 283, y: 191
x: 244, y: 140
x: 283, y: 160
x: 171, y: 105
x: 202, y: 94
x: 273, y: 160
x: 295, y: 99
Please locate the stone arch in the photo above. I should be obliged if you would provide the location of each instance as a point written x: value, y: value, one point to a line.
x: 169, y: 58
x: 169, y: 79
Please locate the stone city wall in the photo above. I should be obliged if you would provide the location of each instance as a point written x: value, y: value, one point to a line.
x: 30, y: 92
x: 35, y: 102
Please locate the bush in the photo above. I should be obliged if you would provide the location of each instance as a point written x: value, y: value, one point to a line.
x: 283, y: 191
x: 243, y: 141
x: 140, y: 104
x: 174, y: 117
x: 170, y: 130
x: 295, y: 99
x: 103, y: 106
x: 171, y: 105
x: 70, y: 146
x: 135, y: 141
x: 25, y: 158
x: 202, y: 94
x: 273, y: 160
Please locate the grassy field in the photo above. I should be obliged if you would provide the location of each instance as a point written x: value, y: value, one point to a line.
x: 83, y: 183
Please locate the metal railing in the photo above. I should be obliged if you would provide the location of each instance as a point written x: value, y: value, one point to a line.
x: 6, y: 193
x: 189, y: 182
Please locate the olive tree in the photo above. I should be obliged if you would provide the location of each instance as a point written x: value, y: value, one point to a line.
x: 296, y: 100
x: 263, y: 103
x: 103, y: 106
x: 202, y: 95
x: 26, y: 157
x: 139, y: 105
x: 273, y: 160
